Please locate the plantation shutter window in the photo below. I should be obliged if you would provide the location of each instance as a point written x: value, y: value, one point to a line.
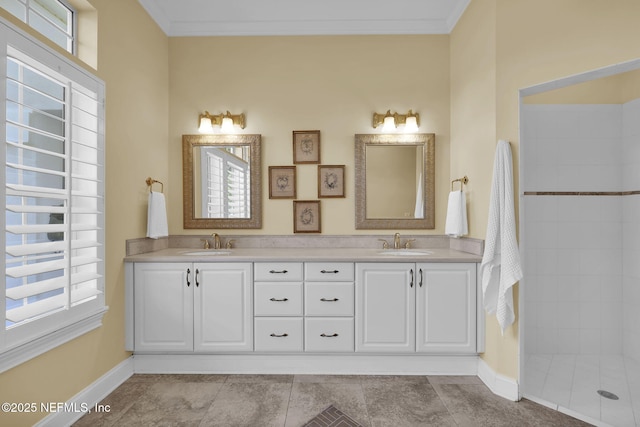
x: 53, y: 187
x: 225, y: 186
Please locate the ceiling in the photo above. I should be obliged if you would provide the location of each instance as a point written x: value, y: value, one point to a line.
x: 304, y: 17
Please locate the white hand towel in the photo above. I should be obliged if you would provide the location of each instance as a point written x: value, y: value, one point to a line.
x: 419, y: 209
x: 157, y: 216
x: 500, y: 268
x: 456, y: 223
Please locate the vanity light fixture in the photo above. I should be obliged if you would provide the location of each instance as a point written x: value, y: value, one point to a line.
x: 389, y: 122
x: 410, y: 121
x: 226, y: 121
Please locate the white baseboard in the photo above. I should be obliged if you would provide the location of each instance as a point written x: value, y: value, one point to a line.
x: 499, y: 384
x: 77, y: 406
x: 327, y: 364
x: 351, y: 364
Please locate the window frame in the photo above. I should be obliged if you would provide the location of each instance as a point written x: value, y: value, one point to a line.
x: 25, y: 341
x: 70, y: 33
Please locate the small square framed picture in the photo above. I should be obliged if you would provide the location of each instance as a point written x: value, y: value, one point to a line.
x: 282, y: 182
x: 306, y: 146
x: 306, y: 216
x: 330, y: 181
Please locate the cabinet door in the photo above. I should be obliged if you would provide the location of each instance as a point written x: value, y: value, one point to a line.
x: 163, y: 307
x: 446, y: 308
x: 385, y: 307
x: 223, y: 314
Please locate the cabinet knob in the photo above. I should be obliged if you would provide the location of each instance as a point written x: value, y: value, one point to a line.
x: 411, y: 284
x: 279, y: 336
x: 278, y: 300
x: 278, y: 272
x: 328, y: 336
x: 329, y: 271
x: 329, y: 300
x: 188, y: 277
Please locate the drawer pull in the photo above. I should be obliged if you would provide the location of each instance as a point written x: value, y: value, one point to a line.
x: 278, y: 272
x: 278, y: 300
x: 328, y: 336
x: 279, y: 336
x: 329, y: 271
x: 328, y: 300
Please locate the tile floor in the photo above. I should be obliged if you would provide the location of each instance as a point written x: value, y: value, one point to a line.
x: 572, y: 381
x: 292, y: 400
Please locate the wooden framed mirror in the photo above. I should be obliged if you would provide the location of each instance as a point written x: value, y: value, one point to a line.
x: 221, y: 178
x: 395, y: 176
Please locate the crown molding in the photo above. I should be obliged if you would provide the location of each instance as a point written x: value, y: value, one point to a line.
x: 292, y: 26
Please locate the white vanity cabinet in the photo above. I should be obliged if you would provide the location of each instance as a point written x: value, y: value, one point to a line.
x: 409, y: 307
x: 329, y: 313
x: 223, y: 307
x: 278, y: 320
x: 182, y: 307
x: 328, y: 307
x: 163, y: 306
x: 304, y: 307
x: 446, y: 308
x: 385, y: 307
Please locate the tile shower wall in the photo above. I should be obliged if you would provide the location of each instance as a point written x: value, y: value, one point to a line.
x: 573, y: 244
x: 631, y: 229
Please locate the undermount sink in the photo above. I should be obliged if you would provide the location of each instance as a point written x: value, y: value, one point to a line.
x: 405, y: 252
x: 208, y: 252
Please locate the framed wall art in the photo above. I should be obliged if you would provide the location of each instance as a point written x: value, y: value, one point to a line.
x: 306, y: 146
x: 306, y: 216
x: 330, y: 181
x: 282, y: 182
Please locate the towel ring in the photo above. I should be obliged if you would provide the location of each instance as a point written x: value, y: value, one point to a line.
x: 463, y: 181
x: 150, y: 183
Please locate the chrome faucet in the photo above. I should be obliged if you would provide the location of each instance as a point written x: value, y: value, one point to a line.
x: 216, y: 241
x: 396, y: 241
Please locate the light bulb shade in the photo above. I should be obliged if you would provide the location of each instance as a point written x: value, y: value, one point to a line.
x: 227, y: 124
x: 411, y: 124
x: 389, y: 123
x: 205, y: 125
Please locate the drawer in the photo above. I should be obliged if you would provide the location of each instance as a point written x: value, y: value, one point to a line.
x: 278, y: 299
x: 277, y: 271
x: 278, y: 334
x: 328, y: 271
x: 328, y: 299
x: 329, y: 335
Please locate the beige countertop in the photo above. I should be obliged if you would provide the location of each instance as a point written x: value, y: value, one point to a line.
x: 304, y: 254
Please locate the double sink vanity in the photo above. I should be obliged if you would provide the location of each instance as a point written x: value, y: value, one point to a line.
x: 307, y: 303
x: 316, y: 309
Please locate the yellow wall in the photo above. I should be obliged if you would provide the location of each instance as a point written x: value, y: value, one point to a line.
x: 473, y: 106
x: 465, y: 87
x: 527, y: 43
x: 392, y: 178
x: 133, y: 61
x: 616, y: 89
x: 330, y: 83
x: 630, y: 84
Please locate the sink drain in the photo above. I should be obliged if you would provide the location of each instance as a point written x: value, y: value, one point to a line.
x: 607, y: 395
